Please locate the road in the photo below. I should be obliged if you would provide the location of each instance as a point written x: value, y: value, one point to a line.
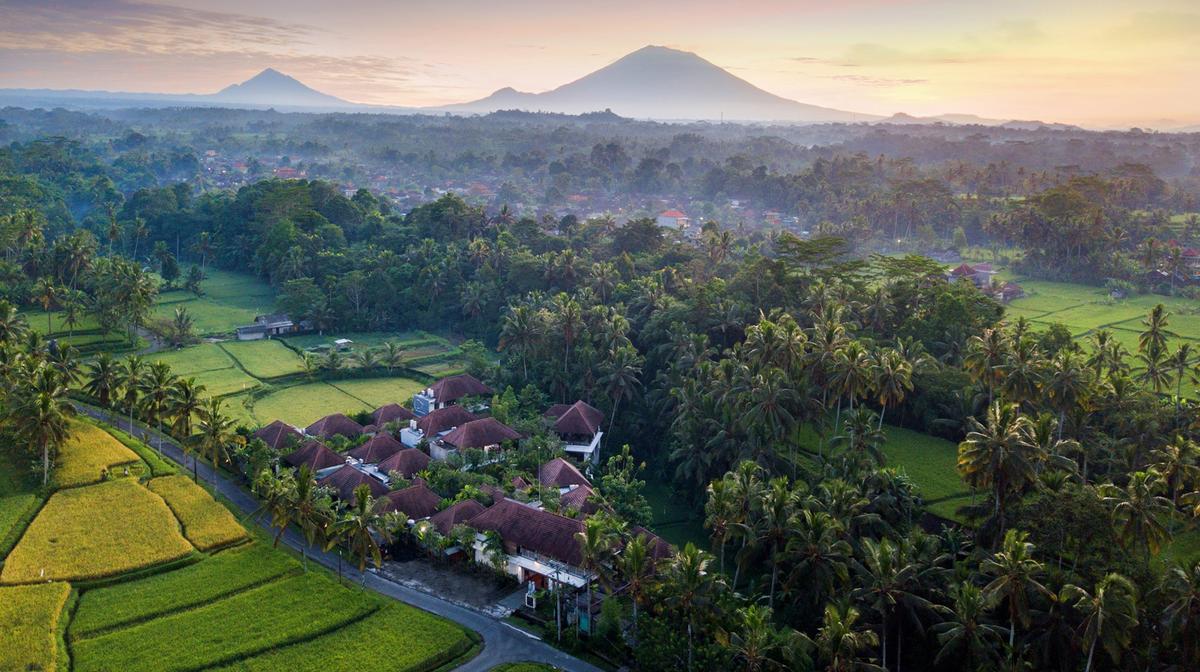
x: 502, y: 643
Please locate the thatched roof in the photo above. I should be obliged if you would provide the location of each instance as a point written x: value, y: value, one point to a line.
x: 456, y: 514
x: 377, y: 449
x: 345, y: 480
x: 443, y: 419
x: 333, y: 425
x: 408, y: 461
x: 391, y: 413
x: 561, y: 473
x: 279, y: 434
x: 579, y: 419
x: 316, y: 455
x: 453, y: 388
x: 416, y: 501
x: 480, y: 434
x: 541, y: 531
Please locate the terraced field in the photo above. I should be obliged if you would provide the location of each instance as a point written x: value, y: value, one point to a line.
x: 247, y: 607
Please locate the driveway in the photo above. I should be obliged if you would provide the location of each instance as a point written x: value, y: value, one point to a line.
x: 502, y: 643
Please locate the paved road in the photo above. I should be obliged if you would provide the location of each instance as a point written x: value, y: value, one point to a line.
x: 503, y: 643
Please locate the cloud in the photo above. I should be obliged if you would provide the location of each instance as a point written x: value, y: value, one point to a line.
x: 1020, y: 30
x: 1159, y: 26
x: 871, y: 54
x: 876, y: 81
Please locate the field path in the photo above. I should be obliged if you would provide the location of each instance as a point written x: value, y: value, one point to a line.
x: 503, y: 643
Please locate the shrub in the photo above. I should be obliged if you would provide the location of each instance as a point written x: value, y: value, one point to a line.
x: 206, y: 523
x: 224, y: 574
x: 396, y: 637
x: 265, y: 618
x: 29, y: 625
x: 87, y: 452
x: 94, y: 532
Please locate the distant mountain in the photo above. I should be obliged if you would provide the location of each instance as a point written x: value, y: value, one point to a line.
x: 662, y: 83
x: 271, y: 87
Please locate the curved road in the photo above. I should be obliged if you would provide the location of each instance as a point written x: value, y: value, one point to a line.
x: 502, y: 643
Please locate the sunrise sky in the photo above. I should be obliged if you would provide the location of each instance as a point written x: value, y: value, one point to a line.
x: 1099, y: 62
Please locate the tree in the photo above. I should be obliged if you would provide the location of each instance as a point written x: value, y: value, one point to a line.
x: 47, y: 294
x: 841, y: 643
x: 1181, y: 587
x: 999, y: 455
x: 313, y: 510
x: 777, y: 511
x: 1176, y: 466
x: 892, y: 379
x: 358, y: 528
x: 637, y: 566
x: 1014, y: 574
x: 43, y: 417
x: 620, y: 380
x: 131, y: 375
x: 597, y: 546
x: 985, y: 358
x: 156, y: 392
x: 691, y: 584
x: 1109, y: 615
x: 888, y: 579
x: 1138, y: 510
x: 967, y: 642
x: 521, y: 331
x: 183, y: 405
x: 216, y: 435
x: 103, y: 381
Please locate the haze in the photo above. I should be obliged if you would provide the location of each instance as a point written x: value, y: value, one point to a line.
x: 1101, y: 63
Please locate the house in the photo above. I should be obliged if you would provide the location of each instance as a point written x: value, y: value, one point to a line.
x: 346, y: 479
x: 446, y: 392
x: 458, y: 513
x: 343, y: 344
x: 436, y: 422
x: 279, y: 435
x: 377, y: 449
x: 408, y: 463
x: 266, y: 326
x: 672, y: 219
x: 316, y: 455
x: 391, y: 413
x: 579, y: 499
x: 980, y: 275
x: 336, y: 424
x: 578, y: 425
x: 416, y: 501
x: 561, y: 474
x: 539, y: 547
x: 485, y: 434
x: 1009, y: 291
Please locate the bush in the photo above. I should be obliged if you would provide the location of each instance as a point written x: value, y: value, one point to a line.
x: 206, y: 523
x: 29, y: 625
x: 224, y: 574
x: 259, y: 620
x: 95, y: 532
x: 87, y: 452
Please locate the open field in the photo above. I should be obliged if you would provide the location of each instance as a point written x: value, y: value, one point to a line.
x: 205, y: 522
x: 29, y: 625
x: 375, y: 392
x: 87, y: 451
x: 224, y: 574
x: 19, y: 499
x: 393, y: 638
x: 301, y: 404
x: 229, y: 300
x: 265, y: 358
x: 273, y: 615
x: 96, y: 531
x: 210, y: 365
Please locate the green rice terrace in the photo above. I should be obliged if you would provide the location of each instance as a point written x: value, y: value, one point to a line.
x: 154, y: 574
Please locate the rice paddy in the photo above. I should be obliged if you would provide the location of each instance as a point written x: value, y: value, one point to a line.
x: 29, y: 618
x: 206, y: 524
x: 88, y: 452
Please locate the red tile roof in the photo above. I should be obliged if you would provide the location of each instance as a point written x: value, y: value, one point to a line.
x: 578, y: 419
x: 279, y: 434
x: 671, y: 213
x: 456, y: 514
x: 316, y: 455
x: 377, y: 449
x: 415, y: 501
x: 345, y: 480
x: 453, y: 388
x: 443, y: 419
x: 480, y: 434
x: 561, y: 473
x: 963, y: 269
x: 390, y: 413
x: 333, y: 425
x: 540, y: 531
x: 579, y: 498
x: 408, y: 462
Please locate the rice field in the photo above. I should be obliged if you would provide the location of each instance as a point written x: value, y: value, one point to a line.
x: 19, y: 499
x: 265, y: 358
x: 88, y: 451
x: 211, y: 366
x: 206, y: 523
x: 224, y: 574
x: 375, y: 392
x: 94, y: 532
x: 229, y: 300
x: 29, y: 617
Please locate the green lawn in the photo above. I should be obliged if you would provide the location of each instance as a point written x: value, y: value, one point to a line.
x: 210, y: 365
x: 410, y: 339
x: 376, y: 392
x: 229, y: 300
x: 302, y: 404
x: 265, y: 358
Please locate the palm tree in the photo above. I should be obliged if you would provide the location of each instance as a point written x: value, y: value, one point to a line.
x: 521, y: 331
x: 819, y: 556
x: 637, y: 566
x: 1138, y: 510
x: 47, y: 294
x: 366, y: 358
x: 1176, y: 466
x: 719, y: 512
x: 1180, y: 366
x: 621, y: 379
x: 888, y: 578
x: 313, y: 511
x: 358, y: 527
x: 156, y: 394
x: 690, y: 583
x: 863, y: 437
x: 131, y: 382
x: 999, y: 455
x: 892, y: 379
x: 841, y: 643
x: 391, y: 354
x: 773, y: 527
x: 43, y: 418
x: 1181, y: 586
x: 596, y: 549
x: 1153, y: 339
x: 1015, y: 577
x: 1109, y: 615
x: 1066, y: 382
x: 183, y: 405
x: 276, y: 495
x: 985, y: 358
x: 103, y: 380
x: 967, y: 642
x: 216, y: 435
x: 12, y: 323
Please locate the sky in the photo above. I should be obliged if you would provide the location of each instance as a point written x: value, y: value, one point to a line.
x: 1095, y: 62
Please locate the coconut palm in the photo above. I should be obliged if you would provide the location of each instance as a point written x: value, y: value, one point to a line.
x: 887, y: 578
x: 43, y: 416
x: 597, y: 546
x: 103, y: 379
x: 521, y: 331
x: 1181, y: 587
x: 1109, y: 615
x: 216, y: 435
x: 1176, y: 464
x: 1015, y: 574
x: 1066, y: 382
x: 636, y: 568
x: 183, y: 405
x: 391, y: 354
x: 985, y: 358
x: 691, y: 584
x: 841, y: 643
x: 131, y: 374
x: 719, y: 511
x: 313, y: 510
x: 892, y: 378
x: 156, y: 394
x: 999, y: 455
x: 819, y: 556
x: 358, y: 528
x: 1152, y: 341
x: 1180, y: 366
x: 1138, y: 510
x: 620, y: 380
x: 12, y: 323
x: 47, y: 294
x: 966, y: 641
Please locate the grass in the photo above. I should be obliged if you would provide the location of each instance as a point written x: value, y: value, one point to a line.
x: 274, y: 615
x: 224, y: 574
x: 19, y: 500
x: 94, y: 532
x: 159, y: 466
x: 265, y: 358
x: 929, y: 461
x: 29, y: 625
x: 375, y: 392
x: 211, y: 366
x: 672, y: 518
x: 396, y: 637
x: 87, y: 451
x: 374, y: 339
x: 302, y: 404
x: 230, y: 300
x: 206, y: 523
